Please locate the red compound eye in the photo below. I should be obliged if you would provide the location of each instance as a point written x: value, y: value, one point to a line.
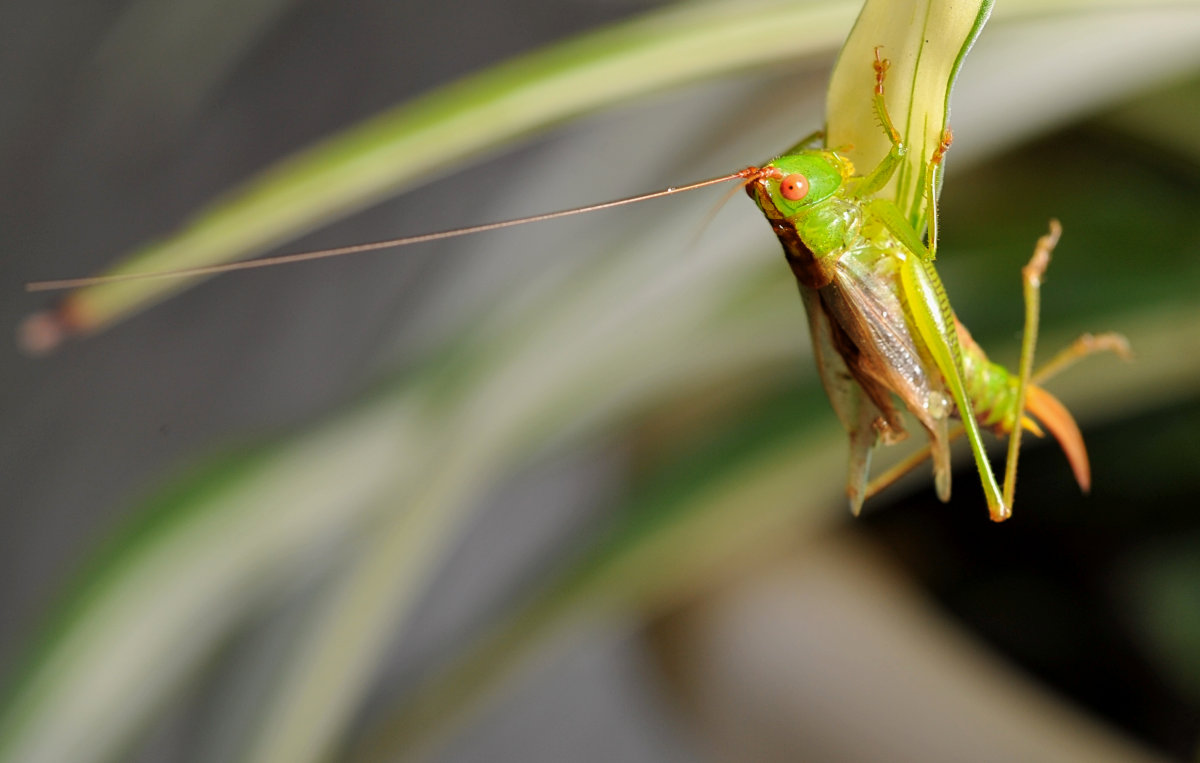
x: 794, y: 187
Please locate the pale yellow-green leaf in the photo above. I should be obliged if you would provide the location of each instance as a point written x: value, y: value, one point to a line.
x: 911, y: 37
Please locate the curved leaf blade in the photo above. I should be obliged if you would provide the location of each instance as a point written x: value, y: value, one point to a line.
x: 925, y: 43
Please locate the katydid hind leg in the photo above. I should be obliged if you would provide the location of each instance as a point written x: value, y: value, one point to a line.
x: 934, y: 321
x: 1042, y: 405
x: 1031, y: 277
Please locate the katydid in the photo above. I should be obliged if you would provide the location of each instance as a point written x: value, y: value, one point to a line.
x: 881, y: 325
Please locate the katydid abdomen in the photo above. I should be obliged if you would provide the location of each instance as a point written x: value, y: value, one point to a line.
x: 993, y: 392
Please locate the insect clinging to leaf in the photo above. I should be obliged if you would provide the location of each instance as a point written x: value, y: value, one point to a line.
x: 883, y: 329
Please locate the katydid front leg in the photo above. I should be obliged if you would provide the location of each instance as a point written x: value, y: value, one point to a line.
x: 874, y: 182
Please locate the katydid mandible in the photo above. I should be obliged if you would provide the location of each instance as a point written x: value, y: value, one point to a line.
x: 881, y: 325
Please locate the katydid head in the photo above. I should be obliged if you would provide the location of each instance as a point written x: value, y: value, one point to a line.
x: 800, y: 180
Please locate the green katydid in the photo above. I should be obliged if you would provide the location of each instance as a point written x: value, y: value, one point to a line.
x: 882, y: 327
x: 880, y: 322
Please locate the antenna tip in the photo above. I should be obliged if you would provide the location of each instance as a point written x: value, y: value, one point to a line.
x: 40, y: 333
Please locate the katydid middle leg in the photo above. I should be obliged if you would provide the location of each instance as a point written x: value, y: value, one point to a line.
x: 1082, y: 347
x: 931, y: 177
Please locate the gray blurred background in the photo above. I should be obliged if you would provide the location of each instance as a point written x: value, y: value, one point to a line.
x: 119, y: 119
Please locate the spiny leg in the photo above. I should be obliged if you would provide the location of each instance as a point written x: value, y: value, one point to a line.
x: 934, y: 323
x: 879, y: 177
x: 881, y: 66
x: 898, y: 223
x: 1031, y: 275
x: 931, y: 176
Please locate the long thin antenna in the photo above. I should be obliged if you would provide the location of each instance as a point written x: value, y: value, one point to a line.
x: 265, y: 262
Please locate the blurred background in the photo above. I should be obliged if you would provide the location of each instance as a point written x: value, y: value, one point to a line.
x: 583, y: 471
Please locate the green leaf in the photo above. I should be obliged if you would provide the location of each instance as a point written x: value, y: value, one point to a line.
x: 925, y: 43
